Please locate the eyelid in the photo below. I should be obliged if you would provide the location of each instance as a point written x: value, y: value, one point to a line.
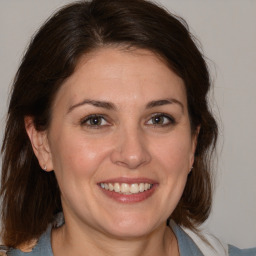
x: 87, y: 118
x: 171, y: 119
x: 83, y: 121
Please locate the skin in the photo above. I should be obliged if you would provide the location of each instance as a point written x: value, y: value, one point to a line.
x: 128, y: 141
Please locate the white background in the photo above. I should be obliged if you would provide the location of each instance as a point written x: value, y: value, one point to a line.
x: 227, y: 31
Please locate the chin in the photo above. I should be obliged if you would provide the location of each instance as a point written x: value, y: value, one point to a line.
x: 131, y: 227
x: 129, y: 233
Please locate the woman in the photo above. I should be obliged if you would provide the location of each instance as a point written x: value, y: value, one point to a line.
x: 109, y: 134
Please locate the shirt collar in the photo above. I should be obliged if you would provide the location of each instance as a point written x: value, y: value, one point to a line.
x: 186, y: 245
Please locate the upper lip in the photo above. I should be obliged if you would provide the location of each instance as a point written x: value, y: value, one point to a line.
x: 129, y: 180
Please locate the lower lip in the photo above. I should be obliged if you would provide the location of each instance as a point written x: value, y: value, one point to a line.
x: 132, y: 198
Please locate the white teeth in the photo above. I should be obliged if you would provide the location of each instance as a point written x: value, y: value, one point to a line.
x: 110, y: 187
x: 117, y: 187
x: 141, y: 187
x: 134, y: 188
x: 125, y: 188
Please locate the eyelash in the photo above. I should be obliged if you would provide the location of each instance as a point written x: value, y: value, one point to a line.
x: 168, y: 121
x: 84, y: 121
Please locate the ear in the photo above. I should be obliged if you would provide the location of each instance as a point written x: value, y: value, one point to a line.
x: 40, y: 145
x: 194, y: 145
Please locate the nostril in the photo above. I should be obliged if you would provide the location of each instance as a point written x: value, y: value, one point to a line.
x: 130, y: 150
x: 130, y: 161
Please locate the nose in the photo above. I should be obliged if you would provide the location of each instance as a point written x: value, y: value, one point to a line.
x: 130, y: 150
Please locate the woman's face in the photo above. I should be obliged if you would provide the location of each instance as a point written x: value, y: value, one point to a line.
x: 120, y: 142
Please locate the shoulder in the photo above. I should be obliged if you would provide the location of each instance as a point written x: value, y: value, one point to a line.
x: 42, y: 248
x: 209, y: 244
x: 234, y: 251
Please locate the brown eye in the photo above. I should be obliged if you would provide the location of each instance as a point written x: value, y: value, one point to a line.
x: 94, y: 120
x: 158, y: 120
x: 161, y: 120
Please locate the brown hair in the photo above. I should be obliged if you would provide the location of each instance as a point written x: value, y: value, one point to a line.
x: 30, y: 196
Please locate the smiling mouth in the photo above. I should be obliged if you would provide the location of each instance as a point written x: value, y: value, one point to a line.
x: 126, y: 189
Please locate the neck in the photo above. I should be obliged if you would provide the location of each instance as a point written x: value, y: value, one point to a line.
x: 74, y: 240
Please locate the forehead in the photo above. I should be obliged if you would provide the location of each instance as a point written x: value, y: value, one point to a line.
x: 119, y: 75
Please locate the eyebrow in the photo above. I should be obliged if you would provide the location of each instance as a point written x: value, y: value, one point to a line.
x: 163, y: 102
x: 96, y: 103
x: 111, y: 106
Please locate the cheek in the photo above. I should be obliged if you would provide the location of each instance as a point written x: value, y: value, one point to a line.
x: 174, y: 154
x: 173, y: 161
x: 75, y: 155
